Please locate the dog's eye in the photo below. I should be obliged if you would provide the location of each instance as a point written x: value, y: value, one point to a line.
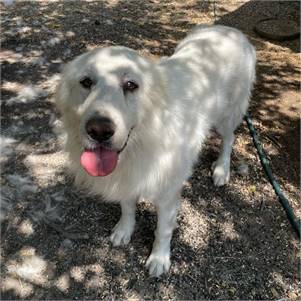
x: 129, y: 86
x: 86, y: 82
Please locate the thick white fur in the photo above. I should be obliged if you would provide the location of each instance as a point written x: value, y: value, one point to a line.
x: 206, y: 83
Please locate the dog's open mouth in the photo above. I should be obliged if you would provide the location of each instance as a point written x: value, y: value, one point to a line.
x: 101, y: 161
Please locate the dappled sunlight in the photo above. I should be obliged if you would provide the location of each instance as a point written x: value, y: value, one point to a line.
x: 45, y: 168
x: 195, y: 237
x: 19, y: 288
x: 10, y: 56
x: 27, y: 94
x: 25, y: 271
x: 232, y: 242
x: 28, y: 266
x: 13, y: 87
x: 25, y: 228
x: 63, y: 282
x: 228, y: 230
x: 110, y: 4
x: 50, y: 82
x: 92, y: 275
x: 78, y: 273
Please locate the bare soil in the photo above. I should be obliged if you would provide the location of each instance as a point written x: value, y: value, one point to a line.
x: 233, y: 242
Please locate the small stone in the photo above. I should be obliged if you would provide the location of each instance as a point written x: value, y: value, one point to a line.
x: 67, y: 243
x: 96, y: 22
x: 274, y: 292
x: 292, y: 296
x: 39, y: 61
x: 70, y: 34
x: 36, y: 23
x: 252, y: 189
x: 109, y: 22
x: 24, y: 29
x: 53, y: 41
x: 46, y: 29
x: 67, y: 52
x: 243, y: 169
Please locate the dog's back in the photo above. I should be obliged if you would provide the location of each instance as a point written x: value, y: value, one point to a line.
x: 215, y: 63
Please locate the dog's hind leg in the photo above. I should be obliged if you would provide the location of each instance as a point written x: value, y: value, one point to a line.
x: 122, y: 232
x: 226, y: 128
x: 232, y: 116
x: 159, y: 260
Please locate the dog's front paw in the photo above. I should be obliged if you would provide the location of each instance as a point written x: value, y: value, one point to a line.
x: 158, y: 263
x: 121, y: 234
x: 221, y: 174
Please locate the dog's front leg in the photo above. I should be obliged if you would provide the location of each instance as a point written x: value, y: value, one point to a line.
x: 159, y: 260
x: 123, y: 230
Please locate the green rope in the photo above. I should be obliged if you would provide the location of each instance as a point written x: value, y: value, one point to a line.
x: 266, y: 167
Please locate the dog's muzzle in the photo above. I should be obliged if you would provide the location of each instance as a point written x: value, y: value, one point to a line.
x: 101, y: 161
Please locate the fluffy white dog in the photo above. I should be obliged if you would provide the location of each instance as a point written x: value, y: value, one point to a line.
x: 135, y: 127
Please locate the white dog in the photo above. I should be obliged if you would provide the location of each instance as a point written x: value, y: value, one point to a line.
x: 135, y: 127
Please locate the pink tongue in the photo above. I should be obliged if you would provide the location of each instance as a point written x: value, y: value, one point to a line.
x: 99, y: 162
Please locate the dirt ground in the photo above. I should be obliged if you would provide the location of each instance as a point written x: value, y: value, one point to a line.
x: 233, y: 242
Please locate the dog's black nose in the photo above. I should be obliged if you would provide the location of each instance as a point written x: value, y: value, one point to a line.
x: 100, y: 129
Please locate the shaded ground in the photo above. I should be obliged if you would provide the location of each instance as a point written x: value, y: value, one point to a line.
x: 231, y: 243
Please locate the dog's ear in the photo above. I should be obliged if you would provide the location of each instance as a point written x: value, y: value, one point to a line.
x: 62, y: 90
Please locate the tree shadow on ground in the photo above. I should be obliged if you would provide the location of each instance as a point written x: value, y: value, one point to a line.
x: 228, y: 245
x: 249, y: 13
x: 235, y: 249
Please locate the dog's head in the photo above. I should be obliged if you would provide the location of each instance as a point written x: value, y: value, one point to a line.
x: 104, y: 96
